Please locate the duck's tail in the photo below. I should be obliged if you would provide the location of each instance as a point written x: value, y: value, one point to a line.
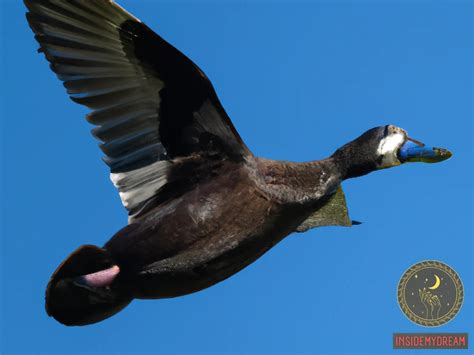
x: 82, y: 291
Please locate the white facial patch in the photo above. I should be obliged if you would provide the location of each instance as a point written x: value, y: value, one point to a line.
x: 388, y: 149
x: 390, y: 143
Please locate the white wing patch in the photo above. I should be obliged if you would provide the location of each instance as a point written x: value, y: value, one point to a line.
x: 139, y: 185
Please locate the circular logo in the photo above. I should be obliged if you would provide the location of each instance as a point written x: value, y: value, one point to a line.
x: 430, y: 293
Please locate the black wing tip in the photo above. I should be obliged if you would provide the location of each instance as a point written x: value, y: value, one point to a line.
x: 32, y: 17
x: 28, y: 4
x: 356, y: 223
x: 32, y: 5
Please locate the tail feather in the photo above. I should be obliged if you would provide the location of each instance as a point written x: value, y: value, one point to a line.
x: 71, y: 297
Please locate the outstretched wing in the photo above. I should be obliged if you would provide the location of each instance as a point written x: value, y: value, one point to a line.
x: 154, y: 109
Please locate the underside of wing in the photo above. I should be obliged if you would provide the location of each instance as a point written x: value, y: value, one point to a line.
x: 333, y: 212
x: 154, y: 109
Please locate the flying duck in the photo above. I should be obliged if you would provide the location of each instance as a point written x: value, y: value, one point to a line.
x: 201, y: 206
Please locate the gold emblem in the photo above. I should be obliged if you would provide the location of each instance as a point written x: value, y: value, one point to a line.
x: 430, y: 293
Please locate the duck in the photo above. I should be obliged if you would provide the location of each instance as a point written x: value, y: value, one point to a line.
x: 201, y: 207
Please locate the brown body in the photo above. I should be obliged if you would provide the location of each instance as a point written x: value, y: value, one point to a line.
x: 214, y: 230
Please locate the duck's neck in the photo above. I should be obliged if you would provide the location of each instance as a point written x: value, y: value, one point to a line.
x: 353, y: 160
x: 299, y: 182
x: 348, y: 167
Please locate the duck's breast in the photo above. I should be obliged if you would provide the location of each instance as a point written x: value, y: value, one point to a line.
x: 211, y: 233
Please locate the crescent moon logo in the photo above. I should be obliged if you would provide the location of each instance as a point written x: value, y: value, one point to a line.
x: 430, y: 293
x: 436, y: 284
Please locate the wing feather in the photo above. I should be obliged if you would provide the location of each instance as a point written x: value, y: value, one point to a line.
x: 153, y: 107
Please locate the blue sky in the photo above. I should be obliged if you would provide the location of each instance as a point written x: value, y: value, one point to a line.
x: 298, y: 79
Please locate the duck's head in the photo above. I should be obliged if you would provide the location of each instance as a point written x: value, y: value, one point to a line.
x: 384, y: 147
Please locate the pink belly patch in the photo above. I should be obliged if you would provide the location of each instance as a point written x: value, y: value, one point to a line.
x: 101, y: 278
